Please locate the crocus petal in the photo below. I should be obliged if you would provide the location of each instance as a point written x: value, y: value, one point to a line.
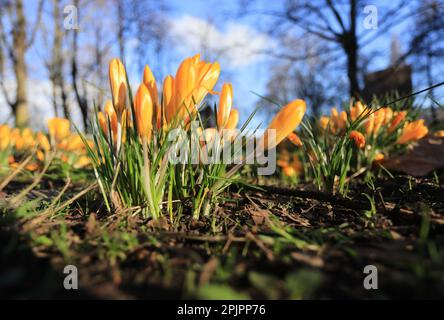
x: 103, y: 122
x: 233, y: 119
x: 185, y: 82
x: 208, y: 75
x: 168, y: 98
x: 369, y: 123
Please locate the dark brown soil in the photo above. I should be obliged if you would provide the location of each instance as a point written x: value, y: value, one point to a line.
x: 278, y: 243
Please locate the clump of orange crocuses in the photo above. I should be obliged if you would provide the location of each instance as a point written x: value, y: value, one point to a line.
x: 17, y: 145
x: 135, y: 139
x: 380, y: 131
x: 290, y: 164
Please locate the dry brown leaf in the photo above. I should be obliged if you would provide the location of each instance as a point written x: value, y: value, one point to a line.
x: 425, y: 157
x: 259, y: 216
x: 92, y: 225
x: 161, y: 223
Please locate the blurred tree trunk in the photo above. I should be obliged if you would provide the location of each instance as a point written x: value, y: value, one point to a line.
x: 350, y: 45
x: 57, y: 63
x: 81, y: 99
x: 16, y: 51
x: 20, y: 106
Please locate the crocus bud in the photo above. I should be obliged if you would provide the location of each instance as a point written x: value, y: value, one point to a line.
x: 293, y: 137
x: 117, y: 80
x: 358, y: 138
x: 225, y: 104
x: 103, y: 122
x: 399, y: 117
x: 43, y: 141
x: 324, y: 122
x: 5, y: 134
x: 150, y: 83
x: 168, y: 98
x: 143, y: 106
x: 356, y: 111
x: 285, y: 122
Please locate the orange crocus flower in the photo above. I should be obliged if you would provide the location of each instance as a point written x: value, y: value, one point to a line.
x: 150, y: 83
x: 378, y: 158
x: 193, y: 80
x: 59, y: 129
x: 439, y: 134
x: 82, y: 162
x: 32, y: 167
x: 413, y: 131
x: 5, y: 137
x: 293, y: 137
x: 356, y: 110
x: 290, y: 168
x: 117, y: 80
x: 358, y: 138
x: 40, y: 155
x: 225, y: 104
x: 43, y: 141
x: 185, y: 82
x: 339, y: 120
x: 379, y: 118
x: 74, y: 143
x: 388, y: 115
x: 323, y: 122
x: 168, y: 98
x: 289, y: 171
x: 369, y: 124
x: 399, y: 117
x: 285, y: 121
x: 103, y: 122
x: 143, y: 106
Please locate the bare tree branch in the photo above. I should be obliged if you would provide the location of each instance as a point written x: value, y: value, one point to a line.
x: 36, y: 24
x: 336, y: 14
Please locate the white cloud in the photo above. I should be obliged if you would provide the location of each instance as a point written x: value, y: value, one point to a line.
x: 237, y: 45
